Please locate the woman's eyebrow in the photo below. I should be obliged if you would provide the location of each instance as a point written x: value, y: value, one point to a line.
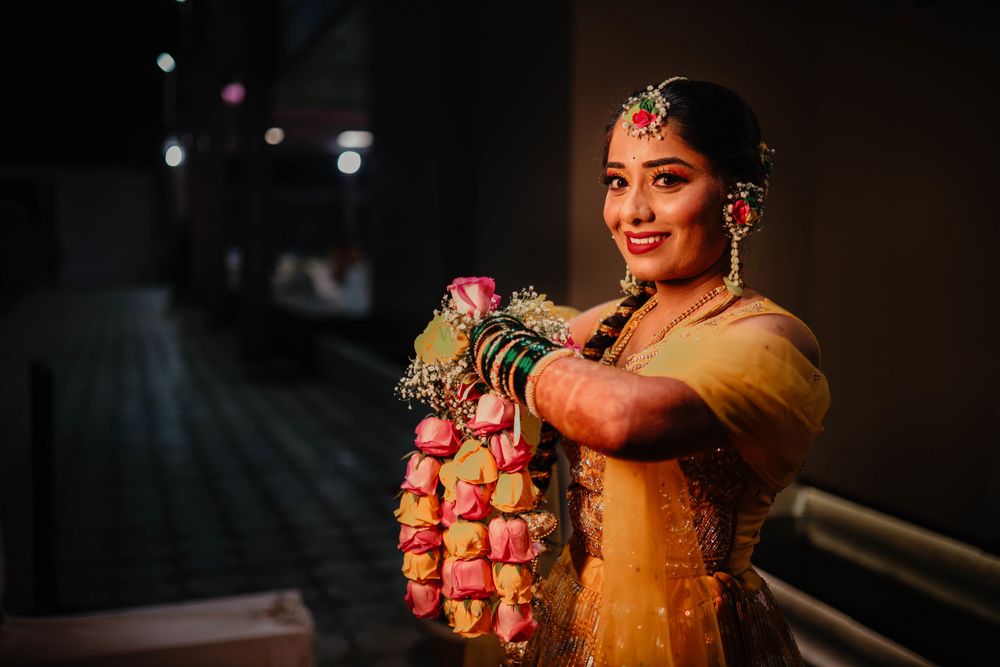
x: 649, y: 164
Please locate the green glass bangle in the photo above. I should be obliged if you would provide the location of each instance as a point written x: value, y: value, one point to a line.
x: 489, y: 364
x: 536, y: 351
x: 497, y: 344
x: 489, y: 322
x: 505, y: 364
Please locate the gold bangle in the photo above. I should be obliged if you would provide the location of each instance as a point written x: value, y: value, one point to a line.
x: 536, y: 372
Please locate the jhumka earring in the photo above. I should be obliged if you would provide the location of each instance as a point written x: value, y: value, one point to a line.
x: 742, y: 213
x: 629, y: 284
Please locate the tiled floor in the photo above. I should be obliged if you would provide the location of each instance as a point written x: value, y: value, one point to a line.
x: 182, y: 475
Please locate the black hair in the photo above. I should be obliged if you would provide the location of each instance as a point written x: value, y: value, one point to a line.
x: 714, y: 121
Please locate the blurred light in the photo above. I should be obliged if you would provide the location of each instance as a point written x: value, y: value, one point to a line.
x: 274, y: 136
x: 166, y: 62
x: 349, y: 162
x: 355, y: 139
x: 173, y: 155
x: 233, y: 93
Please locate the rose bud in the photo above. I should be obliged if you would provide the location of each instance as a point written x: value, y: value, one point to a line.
x: 473, y: 295
x: 475, y: 464
x: 421, y: 474
x: 418, y: 511
x: 421, y: 567
x: 472, y: 501
x: 471, y: 578
x: 418, y: 538
x: 515, y: 492
x: 510, y: 455
x: 493, y: 413
x: 510, y: 541
x: 467, y: 539
x: 436, y: 437
x: 473, y: 618
x: 447, y: 513
x: 423, y: 599
x: 512, y: 582
x: 513, y: 622
x: 741, y: 211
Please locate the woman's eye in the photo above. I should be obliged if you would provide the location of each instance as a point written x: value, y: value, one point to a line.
x: 667, y: 179
x: 615, y: 182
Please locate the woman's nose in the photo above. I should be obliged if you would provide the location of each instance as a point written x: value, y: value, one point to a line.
x: 636, y: 209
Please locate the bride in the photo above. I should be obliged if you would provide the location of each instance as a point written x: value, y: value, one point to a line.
x: 693, y: 406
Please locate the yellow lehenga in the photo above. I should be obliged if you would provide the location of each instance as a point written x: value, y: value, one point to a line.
x: 711, y: 608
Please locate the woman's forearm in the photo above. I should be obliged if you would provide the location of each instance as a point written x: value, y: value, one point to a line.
x: 623, y: 414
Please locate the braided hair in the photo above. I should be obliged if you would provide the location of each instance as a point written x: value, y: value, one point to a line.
x: 611, y: 326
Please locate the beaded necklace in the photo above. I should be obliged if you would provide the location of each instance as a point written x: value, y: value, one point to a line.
x: 612, y: 354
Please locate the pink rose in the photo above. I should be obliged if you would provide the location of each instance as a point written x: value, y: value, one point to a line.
x: 642, y: 118
x: 418, y: 539
x: 421, y: 475
x: 510, y: 541
x: 493, y: 413
x: 447, y: 578
x: 423, y: 599
x: 474, y: 295
x: 436, y: 437
x: 510, y: 455
x: 513, y: 622
x: 447, y: 513
x: 470, y: 579
x: 741, y: 211
x: 472, y: 501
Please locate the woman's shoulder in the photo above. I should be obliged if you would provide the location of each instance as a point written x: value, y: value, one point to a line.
x: 759, y: 313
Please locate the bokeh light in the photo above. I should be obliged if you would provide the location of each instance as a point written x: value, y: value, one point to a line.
x: 349, y: 162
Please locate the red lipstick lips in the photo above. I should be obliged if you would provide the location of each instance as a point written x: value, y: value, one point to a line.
x: 639, y: 243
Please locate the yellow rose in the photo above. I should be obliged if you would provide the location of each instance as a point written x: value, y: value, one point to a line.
x: 447, y: 476
x: 531, y: 428
x: 513, y: 582
x: 514, y: 492
x: 417, y: 510
x: 448, y: 607
x: 421, y: 567
x: 475, y: 464
x: 467, y: 539
x: 439, y: 342
x: 473, y: 618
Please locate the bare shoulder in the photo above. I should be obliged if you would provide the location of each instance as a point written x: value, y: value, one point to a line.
x: 583, y: 324
x: 790, y: 328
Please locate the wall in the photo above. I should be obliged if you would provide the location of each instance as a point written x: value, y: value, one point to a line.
x: 880, y: 227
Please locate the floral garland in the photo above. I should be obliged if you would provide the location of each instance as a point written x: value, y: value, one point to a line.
x: 470, y: 525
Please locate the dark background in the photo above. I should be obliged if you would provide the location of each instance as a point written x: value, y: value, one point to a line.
x: 487, y: 122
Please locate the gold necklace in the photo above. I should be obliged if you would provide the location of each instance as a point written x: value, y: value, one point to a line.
x: 611, y: 355
x: 708, y: 296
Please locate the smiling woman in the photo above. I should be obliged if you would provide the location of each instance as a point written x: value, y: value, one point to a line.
x: 700, y: 409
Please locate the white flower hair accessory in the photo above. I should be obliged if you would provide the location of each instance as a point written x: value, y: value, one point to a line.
x: 643, y: 115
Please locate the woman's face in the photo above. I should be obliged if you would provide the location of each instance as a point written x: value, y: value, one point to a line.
x: 663, y: 206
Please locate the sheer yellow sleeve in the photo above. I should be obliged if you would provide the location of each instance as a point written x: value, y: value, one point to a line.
x: 766, y: 393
